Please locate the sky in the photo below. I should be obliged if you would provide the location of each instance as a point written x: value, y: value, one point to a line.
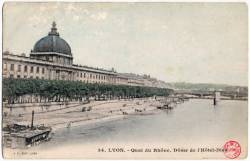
x: 173, y: 42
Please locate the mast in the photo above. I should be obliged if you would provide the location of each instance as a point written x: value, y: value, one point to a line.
x: 32, y: 119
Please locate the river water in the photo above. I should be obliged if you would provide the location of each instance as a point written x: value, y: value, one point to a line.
x: 195, y: 123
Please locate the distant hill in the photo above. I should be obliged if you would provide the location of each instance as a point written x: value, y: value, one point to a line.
x: 206, y: 87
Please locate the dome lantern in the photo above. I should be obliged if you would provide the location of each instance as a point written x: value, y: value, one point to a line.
x: 53, y: 30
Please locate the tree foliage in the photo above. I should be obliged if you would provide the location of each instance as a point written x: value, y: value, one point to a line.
x: 16, y: 90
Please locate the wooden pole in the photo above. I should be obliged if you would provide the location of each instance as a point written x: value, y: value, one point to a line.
x: 32, y: 119
x: 214, y: 100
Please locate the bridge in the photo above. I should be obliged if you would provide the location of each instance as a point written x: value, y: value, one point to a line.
x: 210, y: 94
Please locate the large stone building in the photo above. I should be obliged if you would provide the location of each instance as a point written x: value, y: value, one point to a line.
x: 51, y: 58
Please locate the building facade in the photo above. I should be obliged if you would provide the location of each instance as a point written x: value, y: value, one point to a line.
x: 51, y: 59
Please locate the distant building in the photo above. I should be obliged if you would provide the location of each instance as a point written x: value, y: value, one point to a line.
x: 51, y: 58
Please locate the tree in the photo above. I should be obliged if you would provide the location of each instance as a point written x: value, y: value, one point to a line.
x: 16, y: 90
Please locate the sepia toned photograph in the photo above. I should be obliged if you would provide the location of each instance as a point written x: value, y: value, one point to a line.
x: 129, y: 80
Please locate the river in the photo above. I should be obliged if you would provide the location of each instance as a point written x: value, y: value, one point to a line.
x: 195, y: 123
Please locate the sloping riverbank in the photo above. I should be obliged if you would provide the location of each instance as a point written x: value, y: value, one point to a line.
x: 75, y: 115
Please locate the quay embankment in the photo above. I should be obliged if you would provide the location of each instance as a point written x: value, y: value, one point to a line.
x: 73, y: 114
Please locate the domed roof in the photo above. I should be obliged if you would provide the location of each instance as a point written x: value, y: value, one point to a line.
x: 52, y: 43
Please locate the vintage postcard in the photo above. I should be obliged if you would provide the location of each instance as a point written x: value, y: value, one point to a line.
x: 124, y: 80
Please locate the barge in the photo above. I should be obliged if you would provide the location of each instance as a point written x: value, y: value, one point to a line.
x: 21, y: 136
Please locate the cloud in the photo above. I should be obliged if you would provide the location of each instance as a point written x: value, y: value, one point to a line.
x: 37, y: 20
x: 99, y: 16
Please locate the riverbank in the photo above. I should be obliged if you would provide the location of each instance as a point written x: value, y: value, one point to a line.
x: 75, y: 115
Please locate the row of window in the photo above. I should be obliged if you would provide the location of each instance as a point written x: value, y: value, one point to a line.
x: 84, y: 75
x: 62, y: 60
x: 25, y: 68
x: 37, y: 69
x: 89, y: 81
x: 25, y: 76
x: 31, y: 77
